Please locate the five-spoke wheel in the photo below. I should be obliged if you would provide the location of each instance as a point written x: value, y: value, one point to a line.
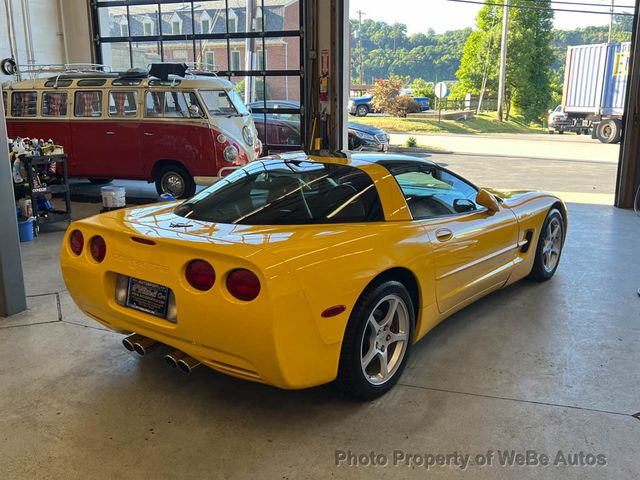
x: 549, y: 247
x: 377, y: 340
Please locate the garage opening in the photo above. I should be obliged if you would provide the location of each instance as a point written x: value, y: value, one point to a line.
x: 433, y: 84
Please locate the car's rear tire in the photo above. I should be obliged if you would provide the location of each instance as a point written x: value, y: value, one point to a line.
x: 362, y: 111
x: 175, y: 180
x: 549, y: 248
x: 377, y: 341
x: 100, y: 181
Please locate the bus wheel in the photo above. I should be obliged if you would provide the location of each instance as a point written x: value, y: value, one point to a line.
x: 100, y: 181
x: 175, y: 180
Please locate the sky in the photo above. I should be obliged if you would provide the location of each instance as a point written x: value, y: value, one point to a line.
x: 443, y: 15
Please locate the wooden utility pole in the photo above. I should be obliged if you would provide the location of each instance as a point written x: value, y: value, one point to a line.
x: 361, y: 69
x: 503, y: 59
x: 613, y: 4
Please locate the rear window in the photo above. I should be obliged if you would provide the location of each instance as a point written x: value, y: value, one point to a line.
x: 278, y: 192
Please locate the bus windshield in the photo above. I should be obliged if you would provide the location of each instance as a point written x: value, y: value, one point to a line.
x: 220, y: 102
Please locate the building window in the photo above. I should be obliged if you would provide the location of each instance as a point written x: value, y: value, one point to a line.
x: 258, y: 20
x: 261, y: 60
x: 206, y: 26
x: 235, y: 60
x: 210, y: 60
x: 233, y: 24
x: 124, y: 30
x: 148, y: 26
x: 176, y: 25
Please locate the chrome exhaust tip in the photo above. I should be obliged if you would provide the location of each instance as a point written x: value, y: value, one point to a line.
x: 130, y: 341
x: 187, y: 364
x: 143, y: 345
x: 173, y: 358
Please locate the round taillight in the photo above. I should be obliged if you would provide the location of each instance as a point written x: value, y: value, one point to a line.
x: 76, y: 242
x: 243, y: 284
x: 98, y: 248
x: 200, y: 275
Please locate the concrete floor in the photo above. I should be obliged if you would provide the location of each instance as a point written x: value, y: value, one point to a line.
x: 542, y: 367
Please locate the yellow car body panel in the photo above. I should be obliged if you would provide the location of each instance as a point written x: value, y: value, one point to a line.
x: 281, y: 338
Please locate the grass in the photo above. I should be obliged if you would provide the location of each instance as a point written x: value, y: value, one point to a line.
x: 480, y: 124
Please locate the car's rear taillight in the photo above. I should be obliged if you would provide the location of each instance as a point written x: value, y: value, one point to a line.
x: 243, y: 284
x: 98, y: 248
x: 200, y: 275
x: 76, y: 242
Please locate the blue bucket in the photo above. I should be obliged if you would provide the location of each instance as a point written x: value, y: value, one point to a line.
x: 25, y: 229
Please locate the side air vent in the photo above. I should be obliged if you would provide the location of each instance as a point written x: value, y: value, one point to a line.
x: 526, y: 243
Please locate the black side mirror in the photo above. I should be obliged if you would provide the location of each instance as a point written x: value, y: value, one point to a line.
x: 463, y: 205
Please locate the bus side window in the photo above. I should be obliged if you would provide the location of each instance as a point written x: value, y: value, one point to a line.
x: 54, y: 104
x: 195, y: 110
x: 175, y: 105
x: 88, y: 104
x: 5, y: 99
x: 154, y: 104
x: 122, y: 104
x: 24, y: 104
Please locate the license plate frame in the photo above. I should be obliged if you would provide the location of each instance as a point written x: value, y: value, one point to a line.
x: 148, y: 297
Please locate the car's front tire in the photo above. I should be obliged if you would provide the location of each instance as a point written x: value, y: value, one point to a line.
x: 549, y: 248
x: 377, y: 341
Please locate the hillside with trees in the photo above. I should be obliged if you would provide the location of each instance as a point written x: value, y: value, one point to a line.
x: 536, y: 66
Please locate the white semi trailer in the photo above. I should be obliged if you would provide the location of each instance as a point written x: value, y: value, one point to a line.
x: 595, y: 84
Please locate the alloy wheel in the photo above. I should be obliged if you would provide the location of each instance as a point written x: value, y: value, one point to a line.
x: 385, y: 339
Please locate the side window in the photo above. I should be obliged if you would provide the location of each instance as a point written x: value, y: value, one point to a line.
x: 433, y: 192
x: 24, y: 104
x: 195, y: 110
x: 5, y: 98
x: 166, y: 104
x: 175, y: 106
x: 88, y: 104
x: 54, y: 104
x: 122, y: 104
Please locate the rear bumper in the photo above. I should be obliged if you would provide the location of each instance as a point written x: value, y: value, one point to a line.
x: 274, y: 339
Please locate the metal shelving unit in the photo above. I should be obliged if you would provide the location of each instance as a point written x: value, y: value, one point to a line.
x: 33, y: 164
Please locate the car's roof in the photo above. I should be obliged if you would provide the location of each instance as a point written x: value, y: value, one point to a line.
x: 353, y: 159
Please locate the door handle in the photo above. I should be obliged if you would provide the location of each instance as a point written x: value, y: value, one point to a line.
x: 444, y: 235
x: 110, y: 133
x: 148, y: 134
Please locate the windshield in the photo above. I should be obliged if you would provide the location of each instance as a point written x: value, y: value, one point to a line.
x: 277, y: 192
x: 238, y: 103
x: 218, y: 102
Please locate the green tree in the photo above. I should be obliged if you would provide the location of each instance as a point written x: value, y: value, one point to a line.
x: 529, y: 57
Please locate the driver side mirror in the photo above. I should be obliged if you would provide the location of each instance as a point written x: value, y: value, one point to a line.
x: 488, y: 201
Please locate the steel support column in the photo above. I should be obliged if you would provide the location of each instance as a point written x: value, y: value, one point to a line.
x: 327, y: 31
x: 628, y: 183
x: 12, y: 295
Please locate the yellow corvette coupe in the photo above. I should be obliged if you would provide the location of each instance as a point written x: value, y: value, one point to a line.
x: 301, y: 270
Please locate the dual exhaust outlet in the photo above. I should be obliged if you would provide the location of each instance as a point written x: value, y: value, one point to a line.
x: 177, y: 359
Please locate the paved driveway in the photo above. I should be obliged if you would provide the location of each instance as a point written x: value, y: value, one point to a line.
x: 564, y: 147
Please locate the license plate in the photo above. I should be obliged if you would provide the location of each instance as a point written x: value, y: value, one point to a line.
x: 148, y: 297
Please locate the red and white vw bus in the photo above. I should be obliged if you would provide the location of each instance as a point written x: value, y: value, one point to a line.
x: 176, y: 131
